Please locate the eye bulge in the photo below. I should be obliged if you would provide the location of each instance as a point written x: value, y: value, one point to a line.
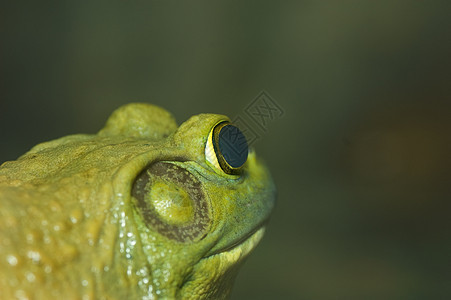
x: 227, y: 148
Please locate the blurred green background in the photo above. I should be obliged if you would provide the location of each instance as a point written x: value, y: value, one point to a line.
x: 361, y: 155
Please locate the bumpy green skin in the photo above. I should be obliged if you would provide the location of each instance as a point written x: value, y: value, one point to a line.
x: 70, y: 227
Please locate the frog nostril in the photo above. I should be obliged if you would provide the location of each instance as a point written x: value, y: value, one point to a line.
x: 171, y: 201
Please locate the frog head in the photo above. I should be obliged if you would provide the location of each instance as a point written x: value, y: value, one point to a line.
x: 154, y: 209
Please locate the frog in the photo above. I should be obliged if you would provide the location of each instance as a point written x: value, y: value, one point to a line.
x: 142, y: 209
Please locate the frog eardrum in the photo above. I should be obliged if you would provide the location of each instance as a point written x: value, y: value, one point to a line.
x: 171, y: 201
x: 227, y: 148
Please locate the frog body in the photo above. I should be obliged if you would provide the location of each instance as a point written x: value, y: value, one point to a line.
x: 135, y: 211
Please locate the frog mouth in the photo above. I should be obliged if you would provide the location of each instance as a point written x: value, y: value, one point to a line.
x: 234, y: 253
x: 252, y: 238
x: 244, y: 246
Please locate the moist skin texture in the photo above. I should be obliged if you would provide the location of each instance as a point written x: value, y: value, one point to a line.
x: 133, y: 212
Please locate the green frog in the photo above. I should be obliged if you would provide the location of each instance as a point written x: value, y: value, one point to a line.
x: 144, y: 209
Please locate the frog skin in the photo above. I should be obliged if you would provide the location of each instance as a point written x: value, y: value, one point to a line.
x: 140, y: 210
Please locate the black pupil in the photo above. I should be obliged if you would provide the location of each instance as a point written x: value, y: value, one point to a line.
x: 233, y: 146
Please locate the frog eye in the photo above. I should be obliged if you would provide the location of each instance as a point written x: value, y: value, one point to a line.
x: 227, y: 148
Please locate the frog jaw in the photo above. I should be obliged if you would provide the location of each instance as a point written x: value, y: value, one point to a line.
x: 213, y: 276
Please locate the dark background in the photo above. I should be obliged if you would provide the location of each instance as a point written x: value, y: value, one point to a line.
x: 361, y: 155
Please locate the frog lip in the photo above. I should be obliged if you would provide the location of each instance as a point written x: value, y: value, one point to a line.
x: 240, y: 241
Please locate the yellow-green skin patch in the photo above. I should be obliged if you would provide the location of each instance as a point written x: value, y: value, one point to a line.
x: 71, y: 229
